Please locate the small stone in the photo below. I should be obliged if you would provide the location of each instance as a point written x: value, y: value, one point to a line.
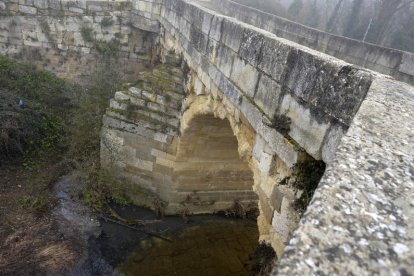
x: 400, y: 249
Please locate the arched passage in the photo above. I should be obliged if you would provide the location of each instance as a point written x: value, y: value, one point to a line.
x: 208, y: 166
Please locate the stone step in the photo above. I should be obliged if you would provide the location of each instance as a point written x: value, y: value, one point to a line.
x: 118, y: 120
x: 159, y: 84
x: 169, y: 98
x: 132, y: 114
x: 123, y: 100
x: 174, y: 76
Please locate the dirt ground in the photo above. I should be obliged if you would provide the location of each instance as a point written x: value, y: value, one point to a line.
x: 30, y: 243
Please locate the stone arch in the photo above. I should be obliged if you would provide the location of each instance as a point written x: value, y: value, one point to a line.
x: 150, y: 130
x: 277, y: 219
x: 212, y: 157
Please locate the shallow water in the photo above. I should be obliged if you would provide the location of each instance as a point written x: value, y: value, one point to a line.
x: 206, y: 245
x: 216, y: 247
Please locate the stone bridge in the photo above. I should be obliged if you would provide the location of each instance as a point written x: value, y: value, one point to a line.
x: 238, y: 109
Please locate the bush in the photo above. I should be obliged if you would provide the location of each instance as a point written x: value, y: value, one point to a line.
x: 38, y: 126
x: 90, y: 106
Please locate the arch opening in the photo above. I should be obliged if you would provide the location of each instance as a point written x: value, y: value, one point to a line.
x: 208, y: 168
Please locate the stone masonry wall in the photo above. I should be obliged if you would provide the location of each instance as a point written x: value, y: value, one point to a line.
x: 51, y: 34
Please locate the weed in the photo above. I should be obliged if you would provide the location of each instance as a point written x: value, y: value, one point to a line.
x: 87, y: 34
x: 305, y: 178
x: 159, y: 206
x: 282, y: 124
x: 119, y: 36
x: 185, y: 213
x: 103, y: 187
x: 264, y: 258
x: 37, y: 204
x: 167, y: 98
x: 107, y: 22
x: 240, y: 210
x: 108, y: 49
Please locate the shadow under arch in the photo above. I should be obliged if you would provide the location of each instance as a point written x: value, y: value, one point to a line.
x: 212, y: 162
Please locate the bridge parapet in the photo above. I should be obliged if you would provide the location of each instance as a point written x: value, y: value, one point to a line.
x: 392, y: 62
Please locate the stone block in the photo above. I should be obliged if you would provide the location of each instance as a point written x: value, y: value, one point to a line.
x: 273, y: 57
x: 198, y: 39
x: 206, y: 23
x: 142, y: 164
x: 345, y: 89
x: 281, y: 221
x: 268, y: 95
x: 95, y: 8
x: 212, y: 49
x: 285, y: 150
x: 301, y: 73
x: 232, y: 34
x: 244, y: 76
x: 407, y: 63
x: 251, y: 46
x: 224, y: 61
x: 266, y: 162
x: 331, y: 142
x: 276, y: 199
x: 251, y: 112
x: 265, y: 208
x: 332, y: 86
x: 41, y: 4
x: 231, y: 91
x: 216, y: 27
x: 306, y: 128
x: 27, y: 9
x: 76, y: 10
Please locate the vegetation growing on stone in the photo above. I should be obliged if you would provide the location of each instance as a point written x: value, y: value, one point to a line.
x: 282, y: 124
x: 265, y: 259
x: 107, y: 22
x: 87, y: 34
x: 305, y: 179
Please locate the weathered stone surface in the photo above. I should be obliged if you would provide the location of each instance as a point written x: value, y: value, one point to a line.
x: 273, y: 57
x: 27, y: 9
x: 232, y: 34
x: 244, y: 76
x: 251, y: 46
x: 268, y: 95
x: 369, y: 188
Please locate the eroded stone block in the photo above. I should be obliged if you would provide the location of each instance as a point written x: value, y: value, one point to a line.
x: 268, y: 95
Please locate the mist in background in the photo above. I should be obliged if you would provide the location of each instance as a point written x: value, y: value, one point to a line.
x: 389, y: 23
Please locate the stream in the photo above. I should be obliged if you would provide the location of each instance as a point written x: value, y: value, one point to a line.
x: 205, y: 245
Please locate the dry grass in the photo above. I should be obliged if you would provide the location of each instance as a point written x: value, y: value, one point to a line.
x: 32, y: 245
